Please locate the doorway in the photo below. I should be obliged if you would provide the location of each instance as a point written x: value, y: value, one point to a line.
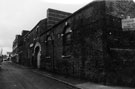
x: 37, y: 55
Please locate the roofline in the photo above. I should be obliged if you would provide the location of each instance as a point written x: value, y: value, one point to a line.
x: 34, y: 27
x: 76, y: 12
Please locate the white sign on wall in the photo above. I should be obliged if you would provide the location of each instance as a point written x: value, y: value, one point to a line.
x: 128, y: 24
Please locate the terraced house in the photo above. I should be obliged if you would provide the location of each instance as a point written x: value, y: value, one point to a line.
x: 93, y: 43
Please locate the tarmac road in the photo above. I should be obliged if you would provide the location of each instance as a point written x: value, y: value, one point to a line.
x: 16, y: 77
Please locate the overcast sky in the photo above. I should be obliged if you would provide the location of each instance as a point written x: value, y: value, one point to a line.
x: 18, y: 15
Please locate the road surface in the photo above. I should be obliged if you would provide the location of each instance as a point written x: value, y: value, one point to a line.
x: 16, y: 77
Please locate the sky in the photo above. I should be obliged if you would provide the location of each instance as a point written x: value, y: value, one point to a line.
x: 18, y: 15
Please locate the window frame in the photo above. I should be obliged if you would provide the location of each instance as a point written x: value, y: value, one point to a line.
x: 67, y: 42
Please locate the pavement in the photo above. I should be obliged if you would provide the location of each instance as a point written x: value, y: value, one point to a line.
x: 78, y: 83
x: 69, y: 81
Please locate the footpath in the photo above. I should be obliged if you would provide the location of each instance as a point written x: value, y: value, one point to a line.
x: 74, y: 82
x: 77, y: 83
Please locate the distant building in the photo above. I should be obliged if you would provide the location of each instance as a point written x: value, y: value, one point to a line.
x: 55, y: 16
x: 18, y: 46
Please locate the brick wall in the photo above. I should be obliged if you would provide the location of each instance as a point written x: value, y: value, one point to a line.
x: 86, y: 25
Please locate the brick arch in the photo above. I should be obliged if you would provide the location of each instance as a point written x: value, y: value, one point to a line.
x: 37, y: 54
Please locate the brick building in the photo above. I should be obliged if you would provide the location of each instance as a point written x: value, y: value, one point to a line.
x: 86, y: 44
x: 32, y: 44
x: 18, y: 46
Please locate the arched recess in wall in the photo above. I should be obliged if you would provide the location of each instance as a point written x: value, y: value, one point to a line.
x: 67, y: 34
x: 37, y: 54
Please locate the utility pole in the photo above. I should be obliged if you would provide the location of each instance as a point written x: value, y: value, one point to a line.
x: 1, y: 52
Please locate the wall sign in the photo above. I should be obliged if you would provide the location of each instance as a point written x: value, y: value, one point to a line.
x: 128, y: 24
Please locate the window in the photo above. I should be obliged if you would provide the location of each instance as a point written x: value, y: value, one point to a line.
x: 37, y: 29
x: 67, y: 40
x: 48, y: 38
x: 67, y: 36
